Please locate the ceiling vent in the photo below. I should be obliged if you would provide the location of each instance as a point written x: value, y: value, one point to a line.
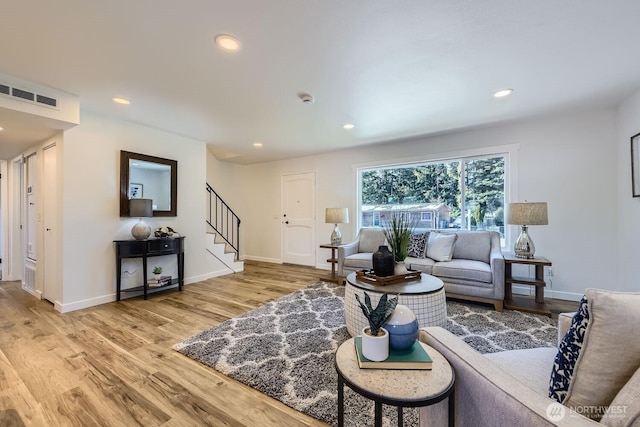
x: 28, y: 96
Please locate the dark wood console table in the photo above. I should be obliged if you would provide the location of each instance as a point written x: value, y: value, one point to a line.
x: 145, y: 249
x: 524, y: 304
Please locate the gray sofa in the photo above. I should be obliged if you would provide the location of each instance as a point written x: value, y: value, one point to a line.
x: 475, y: 272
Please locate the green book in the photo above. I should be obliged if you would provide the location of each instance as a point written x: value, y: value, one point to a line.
x: 415, y: 357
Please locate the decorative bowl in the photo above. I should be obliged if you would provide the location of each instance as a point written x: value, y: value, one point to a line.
x: 402, y: 327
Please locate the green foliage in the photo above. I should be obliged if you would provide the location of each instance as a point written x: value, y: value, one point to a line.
x: 398, y: 233
x: 157, y: 269
x: 499, y: 216
x: 479, y: 213
x: 378, y: 316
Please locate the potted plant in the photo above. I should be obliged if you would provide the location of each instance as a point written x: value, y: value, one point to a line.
x: 398, y: 234
x: 375, y: 339
x: 157, y: 271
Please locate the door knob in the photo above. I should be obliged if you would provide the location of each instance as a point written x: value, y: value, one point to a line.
x: 286, y: 222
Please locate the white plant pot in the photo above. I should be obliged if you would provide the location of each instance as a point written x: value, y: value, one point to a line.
x: 157, y: 276
x: 375, y: 349
x: 400, y: 268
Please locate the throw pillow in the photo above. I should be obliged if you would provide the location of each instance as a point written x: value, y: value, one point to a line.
x: 568, y: 352
x: 417, y: 245
x: 610, y: 354
x: 440, y: 246
x: 624, y: 410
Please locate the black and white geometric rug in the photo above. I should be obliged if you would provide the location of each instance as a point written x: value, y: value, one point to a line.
x: 286, y: 348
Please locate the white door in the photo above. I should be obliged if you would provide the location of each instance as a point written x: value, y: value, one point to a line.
x: 51, y: 287
x: 299, y: 219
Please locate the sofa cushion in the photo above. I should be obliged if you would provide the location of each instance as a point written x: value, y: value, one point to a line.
x: 418, y: 245
x: 475, y: 245
x: 463, y: 269
x: 424, y: 265
x: 610, y: 353
x: 360, y: 261
x: 440, y: 246
x: 624, y: 410
x: 530, y: 366
x: 370, y: 239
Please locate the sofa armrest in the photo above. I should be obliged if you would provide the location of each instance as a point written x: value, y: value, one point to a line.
x: 344, y: 251
x: 485, y: 395
x: 496, y: 261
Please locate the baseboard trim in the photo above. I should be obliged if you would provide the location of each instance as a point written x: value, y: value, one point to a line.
x: 261, y: 259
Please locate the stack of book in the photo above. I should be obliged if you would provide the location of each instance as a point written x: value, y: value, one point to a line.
x: 415, y: 357
x: 156, y: 283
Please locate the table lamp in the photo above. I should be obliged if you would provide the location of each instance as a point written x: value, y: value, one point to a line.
x: 141, y: 208
x: 525, y: 214
x: 336, y: 216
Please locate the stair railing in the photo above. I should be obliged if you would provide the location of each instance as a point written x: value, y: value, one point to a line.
x: 224, y: 221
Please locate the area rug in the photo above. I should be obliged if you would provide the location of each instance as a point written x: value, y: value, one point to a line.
x: 286, y: 348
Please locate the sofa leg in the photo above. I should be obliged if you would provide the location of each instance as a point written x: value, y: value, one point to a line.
x: 498, y: 305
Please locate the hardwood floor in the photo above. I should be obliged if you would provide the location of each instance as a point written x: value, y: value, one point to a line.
x: 113, y: 365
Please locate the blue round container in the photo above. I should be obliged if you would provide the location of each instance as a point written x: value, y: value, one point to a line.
x: 402, y: 327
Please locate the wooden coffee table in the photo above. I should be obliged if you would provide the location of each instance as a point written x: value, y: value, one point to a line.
x: 424, y: 296
x: 401, y: 388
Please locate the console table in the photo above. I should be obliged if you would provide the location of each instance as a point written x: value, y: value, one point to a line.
x: 145, y: 249
x: 333, y: 261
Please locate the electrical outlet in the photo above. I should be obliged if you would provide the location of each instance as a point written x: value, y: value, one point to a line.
x: 549, y: 271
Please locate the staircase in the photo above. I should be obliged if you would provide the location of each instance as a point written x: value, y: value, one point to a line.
x: 223, y: 236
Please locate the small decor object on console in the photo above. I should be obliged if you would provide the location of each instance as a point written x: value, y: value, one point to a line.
x: 161, y: 281
x: 375, y: 339
x: 142, y: 208
x: 165, y: 232
x: 402, y: 327
x: 157, y: 271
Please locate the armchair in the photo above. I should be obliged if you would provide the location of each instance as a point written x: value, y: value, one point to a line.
x: 357, y: 254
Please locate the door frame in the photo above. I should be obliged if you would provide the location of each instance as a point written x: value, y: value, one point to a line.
x: 282, y: 209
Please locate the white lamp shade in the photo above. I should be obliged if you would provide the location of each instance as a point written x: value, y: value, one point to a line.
x: 337, y: 216
x: 534, y: 213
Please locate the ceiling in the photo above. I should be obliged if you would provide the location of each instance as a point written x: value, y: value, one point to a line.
x: 396, y: 69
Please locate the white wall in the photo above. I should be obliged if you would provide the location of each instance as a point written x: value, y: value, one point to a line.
x: 90, y: 186
x: 628, y: 206
x: 566, y: 160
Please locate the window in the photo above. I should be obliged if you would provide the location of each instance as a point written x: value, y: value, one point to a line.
x: 467, y: 193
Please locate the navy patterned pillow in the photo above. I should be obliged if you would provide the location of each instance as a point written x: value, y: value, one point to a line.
x: 417, y: 245
x: 568, y: 353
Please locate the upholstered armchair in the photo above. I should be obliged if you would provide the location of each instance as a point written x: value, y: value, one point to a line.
x: 357, y: 255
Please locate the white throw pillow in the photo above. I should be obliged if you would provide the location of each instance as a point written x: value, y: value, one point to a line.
x: 440, y: 246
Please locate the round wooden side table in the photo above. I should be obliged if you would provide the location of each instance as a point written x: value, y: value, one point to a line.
x: 400, y: 388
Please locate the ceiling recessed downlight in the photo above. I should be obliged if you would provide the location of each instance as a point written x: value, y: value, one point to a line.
x: 348, y: 126
x: 1, y: 128
x: 503, y: 92
x: 227, y: 42
x: 120, y: 100
x: 257, y: 144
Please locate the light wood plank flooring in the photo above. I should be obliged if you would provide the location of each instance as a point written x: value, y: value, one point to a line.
x: 113, y: 365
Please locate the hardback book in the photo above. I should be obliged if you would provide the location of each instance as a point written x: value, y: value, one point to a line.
x: 156, y: 283
x: 415, y: 357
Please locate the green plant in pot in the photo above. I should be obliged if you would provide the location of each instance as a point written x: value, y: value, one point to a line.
x: 398, y: 232
x: 157, y: 271
x: 375, y: 339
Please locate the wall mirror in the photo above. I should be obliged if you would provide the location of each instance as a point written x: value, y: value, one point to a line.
x: 149, y: 177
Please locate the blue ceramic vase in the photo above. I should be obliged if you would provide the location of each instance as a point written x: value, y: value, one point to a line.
x: 402, y: 327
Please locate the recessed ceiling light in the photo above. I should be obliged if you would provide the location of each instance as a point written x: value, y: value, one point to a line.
x: 348, y: 126
x: 227, y: 42
x: 1, y: 128
x: 503, y: 92
x: 257, y: 144
x: 120, y: 100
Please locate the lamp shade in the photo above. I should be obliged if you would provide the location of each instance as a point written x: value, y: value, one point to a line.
x: 337, y: 216
x: 141, y: 208
x: 534, y: 213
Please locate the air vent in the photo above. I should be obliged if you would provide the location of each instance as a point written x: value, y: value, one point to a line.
x: 19, y: 93
x: 47, y: 101
x: 28, y: 96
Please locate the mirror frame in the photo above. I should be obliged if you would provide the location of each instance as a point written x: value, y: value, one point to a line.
x: 125, y: 156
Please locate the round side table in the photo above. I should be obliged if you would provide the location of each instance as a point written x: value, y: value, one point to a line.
x: 401, y: 388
